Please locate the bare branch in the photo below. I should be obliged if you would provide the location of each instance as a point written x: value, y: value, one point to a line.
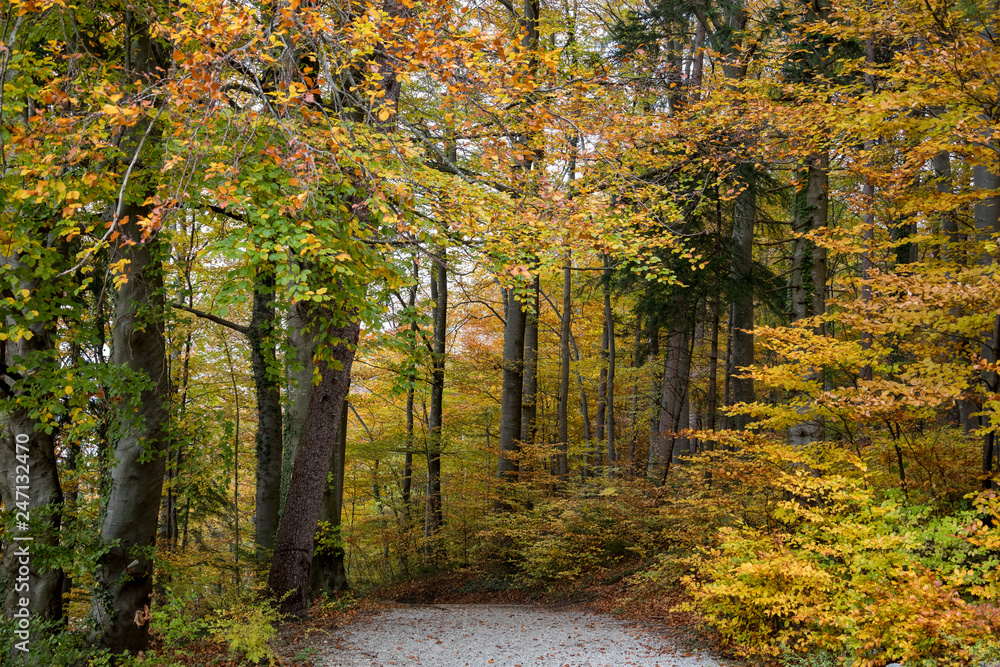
x: 213, y: 318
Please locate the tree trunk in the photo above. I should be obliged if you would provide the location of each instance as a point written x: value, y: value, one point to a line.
x: 817, y: 195
x: 584, y: 404
x: 260, y: 334
x: 610, y: 400
x: 439, y: 294
x: 868, y: 234
x: 29, y: 481
x: 288, y: 581
x: 602, y: 403
x: 407, y: 485
x: 637, y: 361
x: 740, y: 341
x: 677, y: 400
x: 713, y: 368
x: 744, y: 214
x: 951, y: 252
x: 300, y: 371
x: 513, y: 383
x: 562, y: 454
x: 813, y: 214
x: 800, y: 301
x: 668, y: 400
x: 407, y: 481
x: 328, y: 574
x: 699, y: 60
x: 987, y: 221
x: 656, y: 391
x: 727, y: 378
x: 529, y: 409
x: 124, y: 579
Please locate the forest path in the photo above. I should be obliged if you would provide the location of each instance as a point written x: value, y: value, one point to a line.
x: 500, y: 635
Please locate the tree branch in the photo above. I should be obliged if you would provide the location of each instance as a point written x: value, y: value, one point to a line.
x: 213, y: 318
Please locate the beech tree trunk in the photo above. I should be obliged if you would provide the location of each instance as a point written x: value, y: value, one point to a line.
x: 952, y: 250
x: 744, y: 215
x: 529, y: 409
x: 669, y: 398
x: 29, y: 478
x: 407, y: 482
x: 124, y: 580
x: 513, y: 383
x: 602, y: 404
x: 288, y: 580
x: 612, y: 451
x: 439, y: 294
x: 673, y: 417
x: 811, y: 214
x: 263, y: 354
x: 328, y: 574
x: 987, y: 221
x: 800, y: 300
x: 713, y: 369
x: 741, y: 340
x: 817, y: 205
x: 656, y: 390
x: 568, y: 331
x: 562, y: 453
x: 300, y: 370
x: 637, y: 361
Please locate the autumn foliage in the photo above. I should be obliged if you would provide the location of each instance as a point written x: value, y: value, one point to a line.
x: 739, y: 258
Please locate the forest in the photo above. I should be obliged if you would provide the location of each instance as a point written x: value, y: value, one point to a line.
x: 306, y: 298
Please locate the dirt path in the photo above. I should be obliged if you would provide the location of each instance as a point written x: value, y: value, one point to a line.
x: 458, y: 635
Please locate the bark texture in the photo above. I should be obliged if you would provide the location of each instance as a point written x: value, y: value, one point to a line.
x: 29, y: 475
x: 124, y: 579
x: 744, y: 215
x: 987, y: 221
x: 529, y: 407
x: 328, y: 573
x: 811, y: 215
x: 612, y: 451
x: 288, y: 580
x: 513, y: 383
x: 269, y: 423
x: 439, y: 293
x: 299, y: 391
x: 562, y: 451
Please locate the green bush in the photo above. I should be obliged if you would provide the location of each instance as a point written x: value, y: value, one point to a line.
x: 247, y: 627
x: 838, y: 566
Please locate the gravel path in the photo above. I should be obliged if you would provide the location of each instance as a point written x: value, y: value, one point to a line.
x: 500, y: 636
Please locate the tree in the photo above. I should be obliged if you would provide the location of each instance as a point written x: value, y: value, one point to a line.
x: 439, y: 297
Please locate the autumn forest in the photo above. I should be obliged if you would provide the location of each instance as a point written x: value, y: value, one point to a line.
x: 306, y: 298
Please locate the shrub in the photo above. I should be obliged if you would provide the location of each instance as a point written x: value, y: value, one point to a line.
x: 247, y: 627
x: 585, y: 530
x: 837, y: 566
